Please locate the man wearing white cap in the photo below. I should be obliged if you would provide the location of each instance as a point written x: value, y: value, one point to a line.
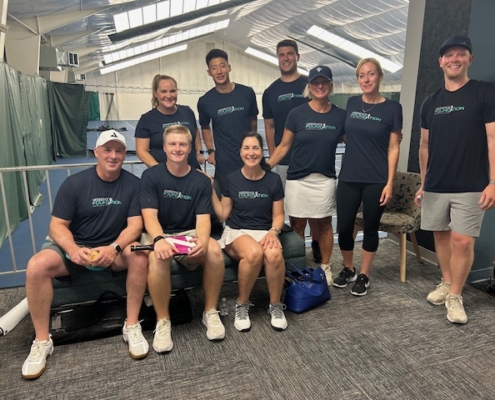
x: 457, y: 160
x: 95, y: 219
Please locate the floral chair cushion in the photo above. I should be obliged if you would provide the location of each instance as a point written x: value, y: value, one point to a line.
x: 401, y: 214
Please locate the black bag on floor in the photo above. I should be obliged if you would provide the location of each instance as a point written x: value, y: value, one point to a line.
x: 105, y: 317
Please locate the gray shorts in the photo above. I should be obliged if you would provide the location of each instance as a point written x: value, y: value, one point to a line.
x: 181, y: 259
x: 458, y: 212
x: 75, y: 270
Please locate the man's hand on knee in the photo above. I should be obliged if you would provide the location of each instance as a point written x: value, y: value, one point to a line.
x: 200, y: 250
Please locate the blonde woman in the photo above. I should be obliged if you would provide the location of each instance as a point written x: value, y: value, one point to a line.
x: 313, y: 130
x: 165, y: 112
x: 373, y: 128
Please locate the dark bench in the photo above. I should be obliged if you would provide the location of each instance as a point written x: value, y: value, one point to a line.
x: 90, y: 286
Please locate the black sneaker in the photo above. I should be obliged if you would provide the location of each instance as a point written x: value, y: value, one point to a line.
x: 361, y: 286
x: 315, y: 249
x: 345, y: 276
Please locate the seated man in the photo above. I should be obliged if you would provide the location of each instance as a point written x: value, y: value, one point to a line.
x: 95, y: 219
x: 176, y: 200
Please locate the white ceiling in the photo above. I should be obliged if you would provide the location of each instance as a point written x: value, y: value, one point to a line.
x: 83, y: 26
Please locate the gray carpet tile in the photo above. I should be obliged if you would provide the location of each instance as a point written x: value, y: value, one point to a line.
x: 390, y: 344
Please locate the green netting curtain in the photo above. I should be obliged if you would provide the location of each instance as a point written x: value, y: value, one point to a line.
x: 93, y: 104
x: 25, y: 139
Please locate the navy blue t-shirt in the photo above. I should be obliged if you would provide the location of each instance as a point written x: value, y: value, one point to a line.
x: 367, y: 140
x: 98, y: 210
x: 152, y: 124
x: 230, y: 114
x: 457, y: 141
x: 278, y: 100
x: 252, y: 200
x: 177, y: 199
x: 316, y: 136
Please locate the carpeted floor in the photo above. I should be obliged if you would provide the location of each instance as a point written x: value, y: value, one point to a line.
x: 390, y: 344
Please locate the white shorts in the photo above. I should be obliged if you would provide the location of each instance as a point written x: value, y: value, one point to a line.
x: 281, y: 170
x: 313, y: 196
x: 229, y: 235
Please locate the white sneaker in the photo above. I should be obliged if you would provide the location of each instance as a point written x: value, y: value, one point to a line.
x: 327, y: 268
x: 439, y: 295
x: 214, y: 327
x: 162, y: 342
x: 133, y: 336
x: 278, y: 321
x: 242, y: 322
x: 35, y: 363
x: 455, y: 309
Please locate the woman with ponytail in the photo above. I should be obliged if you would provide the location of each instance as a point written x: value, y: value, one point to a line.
x: 253, y: 208
x: 164, y: 113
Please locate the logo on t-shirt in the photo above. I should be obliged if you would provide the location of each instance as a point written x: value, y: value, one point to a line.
x: 362, y: 115
x: 229, y: 110
x: 249, y: 194
x: 173, y: 194
x: 104, y: 202
x: 447, y: 109
x: 174, y: 123
x: 318, y: 126
x: 288, y: 96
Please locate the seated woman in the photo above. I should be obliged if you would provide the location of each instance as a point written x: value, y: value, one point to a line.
x: 253, y: 206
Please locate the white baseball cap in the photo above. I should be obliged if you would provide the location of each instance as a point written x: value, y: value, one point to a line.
x: 107, y: 136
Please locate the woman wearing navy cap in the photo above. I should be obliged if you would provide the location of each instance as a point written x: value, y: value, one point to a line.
x: 313, y: 130
x: 373, y: 127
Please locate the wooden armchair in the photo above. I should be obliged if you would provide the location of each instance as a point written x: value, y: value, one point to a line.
x: 401, y: 216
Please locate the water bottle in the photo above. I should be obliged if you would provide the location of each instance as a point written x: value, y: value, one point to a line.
x: 224, y: 308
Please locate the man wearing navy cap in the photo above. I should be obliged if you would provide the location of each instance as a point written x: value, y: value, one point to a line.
x: 457, y: 161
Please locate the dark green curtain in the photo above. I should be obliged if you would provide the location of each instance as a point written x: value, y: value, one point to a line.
x: 93, y: 106
x: 25, y: 139
x: 37, y: 138
x: 68, y: 118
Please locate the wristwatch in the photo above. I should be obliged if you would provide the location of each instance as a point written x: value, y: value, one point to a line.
x: 159, y: 237
x: 117, y: 248
x: 209, y: 151
x: 276, y: 230
x: 492, y: 182
x: 200, y: 152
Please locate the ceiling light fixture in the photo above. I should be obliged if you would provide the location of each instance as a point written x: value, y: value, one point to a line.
x: 142, y: 59
x: 166, y: 14
x: 352, y: 48
x: 270, y: 59
x: 166, y: 41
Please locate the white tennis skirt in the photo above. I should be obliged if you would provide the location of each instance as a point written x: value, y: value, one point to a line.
x: 313, y: 196
x: 229, y: 235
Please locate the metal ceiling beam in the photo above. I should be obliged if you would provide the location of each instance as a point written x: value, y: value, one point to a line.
x: 59, y: 40
x: 351, y: 64
x: 179, y: 19
x: 43, y: 24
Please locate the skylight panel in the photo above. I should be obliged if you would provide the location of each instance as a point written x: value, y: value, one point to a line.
x: 142, y: 59
x: 352, y: 48
x: 159, y: 11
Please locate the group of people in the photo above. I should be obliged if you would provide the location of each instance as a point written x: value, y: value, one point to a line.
x: 99, y: 213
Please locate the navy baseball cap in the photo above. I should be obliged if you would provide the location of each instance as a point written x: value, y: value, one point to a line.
x: 320, y: 70
x: 456, y: 41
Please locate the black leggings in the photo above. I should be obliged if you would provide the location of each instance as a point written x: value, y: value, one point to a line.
x: 349, y: 197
